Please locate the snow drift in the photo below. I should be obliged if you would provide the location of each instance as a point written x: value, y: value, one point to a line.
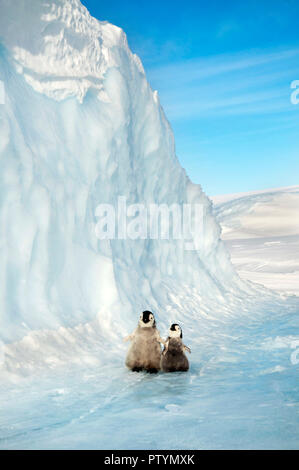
x: 267, y: 213
x: 261, y: 232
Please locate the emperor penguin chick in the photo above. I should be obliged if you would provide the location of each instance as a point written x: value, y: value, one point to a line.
x: 173, y: 356
x: 145, y: 350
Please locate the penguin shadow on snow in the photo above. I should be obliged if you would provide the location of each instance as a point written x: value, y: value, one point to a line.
x: 145, y: 354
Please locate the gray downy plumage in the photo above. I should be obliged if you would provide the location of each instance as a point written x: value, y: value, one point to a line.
x: 173, y: 358
x: 145, y: 350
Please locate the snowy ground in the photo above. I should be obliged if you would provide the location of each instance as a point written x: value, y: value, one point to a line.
x: 261, y: 232
x: 241, y: 392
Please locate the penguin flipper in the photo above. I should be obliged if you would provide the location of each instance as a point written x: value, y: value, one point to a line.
x: 166, y: 343
x: 129, y: 337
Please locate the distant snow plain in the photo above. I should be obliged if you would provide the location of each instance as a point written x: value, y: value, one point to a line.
x: 261, y: 232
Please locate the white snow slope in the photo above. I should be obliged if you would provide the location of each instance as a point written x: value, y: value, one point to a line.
x: 81, y: 126
x: 261, y: 231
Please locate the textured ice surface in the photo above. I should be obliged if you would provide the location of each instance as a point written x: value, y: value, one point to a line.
x: 81, y: 126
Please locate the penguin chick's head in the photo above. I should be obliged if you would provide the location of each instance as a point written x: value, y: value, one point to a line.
x: 147, y: 319
x: 175, y: 331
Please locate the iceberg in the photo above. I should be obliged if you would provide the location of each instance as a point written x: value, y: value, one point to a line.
x: 80, y: 127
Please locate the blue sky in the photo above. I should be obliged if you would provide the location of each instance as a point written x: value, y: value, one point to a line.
x: 223, y: 70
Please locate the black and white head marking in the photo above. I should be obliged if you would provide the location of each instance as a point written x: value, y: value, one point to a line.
x: 147, y: 320
x: 175, y: 331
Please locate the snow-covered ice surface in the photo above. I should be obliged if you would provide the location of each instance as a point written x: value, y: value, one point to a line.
x: 81, y: 126
x: 241, y: 392
x: 261, y: 231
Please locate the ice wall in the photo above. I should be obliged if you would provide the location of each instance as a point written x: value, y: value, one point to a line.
x: 81, y: 126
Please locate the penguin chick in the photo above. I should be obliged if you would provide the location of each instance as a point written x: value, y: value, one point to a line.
x: 173, y: 357
x: 145, y: 350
